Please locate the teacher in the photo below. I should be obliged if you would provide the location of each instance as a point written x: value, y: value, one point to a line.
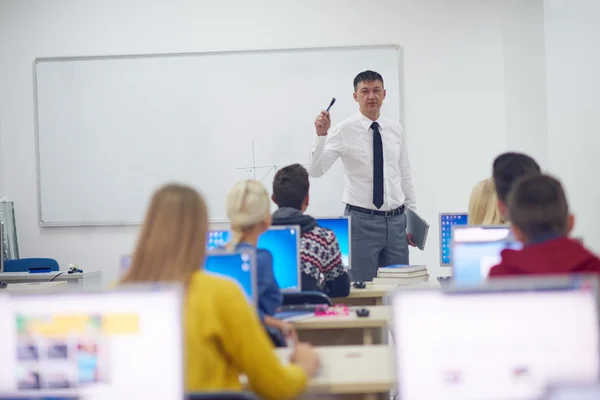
x: 378, y: 182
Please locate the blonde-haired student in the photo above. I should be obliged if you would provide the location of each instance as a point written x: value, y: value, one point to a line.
x: 483, y: 205
x: 223, y: 335
x: 248, y: 208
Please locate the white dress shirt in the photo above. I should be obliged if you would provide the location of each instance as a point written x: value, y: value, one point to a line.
x: 352, y: 140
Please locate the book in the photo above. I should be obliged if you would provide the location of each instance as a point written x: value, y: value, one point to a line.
x: 416, y: 274
x: 402, y: 269
x: 401, y: 281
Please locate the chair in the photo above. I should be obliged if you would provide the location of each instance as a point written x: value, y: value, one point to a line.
x: 221, y: 396
x: 27, y: 264
x: 306, y: 298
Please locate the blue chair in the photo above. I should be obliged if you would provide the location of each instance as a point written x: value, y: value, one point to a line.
x: 306, y: 298
x: 220, y: 396
x: 27, y: 264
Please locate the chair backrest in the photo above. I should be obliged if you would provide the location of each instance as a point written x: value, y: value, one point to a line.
x: 26, y: 264
x: 221, y: 396
x: 309, y: 298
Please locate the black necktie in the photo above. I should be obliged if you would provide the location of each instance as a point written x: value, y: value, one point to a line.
x: 377, y: 166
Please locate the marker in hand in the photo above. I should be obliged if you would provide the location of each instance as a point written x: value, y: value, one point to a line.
x: 331, y: 104
x: 322, y: 122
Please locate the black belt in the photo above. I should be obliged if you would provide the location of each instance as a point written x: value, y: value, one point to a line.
x: 390, y: 213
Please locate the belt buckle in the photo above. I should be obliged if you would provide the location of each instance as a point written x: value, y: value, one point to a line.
x: 389, y: 213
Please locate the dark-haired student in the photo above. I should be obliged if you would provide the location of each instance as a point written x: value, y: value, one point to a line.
x: 542, y: 222
x: 508, y: 168
x: 320, y: 255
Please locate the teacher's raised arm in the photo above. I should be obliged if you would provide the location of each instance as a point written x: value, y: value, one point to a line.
x: 375, y: 159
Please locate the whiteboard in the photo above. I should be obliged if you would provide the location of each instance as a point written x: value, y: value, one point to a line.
x: 110, y: 130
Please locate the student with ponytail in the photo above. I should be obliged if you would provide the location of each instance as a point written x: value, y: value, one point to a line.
x: 223, y: 336
x: 249, y: 212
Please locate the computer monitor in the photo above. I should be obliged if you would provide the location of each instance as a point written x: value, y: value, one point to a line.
x: 341, y: 227
x: 38, y: 396
x: 573, y: 392
x: 239, y: 266
x: 94, y: 343
x: 1, y: 247
x: 494, y: 343
x: 447, y: 220
x: 476, y: 249
x: 283, y: 242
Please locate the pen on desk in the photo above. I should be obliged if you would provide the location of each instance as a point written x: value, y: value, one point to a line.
x: 330, y: 104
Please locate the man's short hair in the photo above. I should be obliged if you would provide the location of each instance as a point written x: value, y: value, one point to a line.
x: 367, y: 76
x: 290, y: 186
x: 537, y: 205
x: 509, y: 167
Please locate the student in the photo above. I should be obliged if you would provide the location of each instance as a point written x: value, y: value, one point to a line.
x: 248, y: 210
x: 507, y: 168
x: 320, y: 255
x: 541, y: 221
x: 223, y: 335
x: 483, y: 205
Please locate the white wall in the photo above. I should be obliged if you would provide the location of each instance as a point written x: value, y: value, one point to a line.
x: 464, y: 86
x: 573, y: 86
x: 525, y: 79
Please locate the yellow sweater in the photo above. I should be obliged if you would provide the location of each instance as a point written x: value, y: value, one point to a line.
x: 224, y: 338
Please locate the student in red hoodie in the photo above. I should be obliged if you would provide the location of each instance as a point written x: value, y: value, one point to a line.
x: 540, y: 218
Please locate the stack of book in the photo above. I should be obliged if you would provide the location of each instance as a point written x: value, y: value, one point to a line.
x: 402, y: 275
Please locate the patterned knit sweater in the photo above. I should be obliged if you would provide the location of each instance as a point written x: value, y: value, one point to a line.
x: 320, y: 255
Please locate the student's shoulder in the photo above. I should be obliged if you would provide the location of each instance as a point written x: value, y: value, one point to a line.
x: 205, y: 282
x: 324, y: 234
x: 263, y: 255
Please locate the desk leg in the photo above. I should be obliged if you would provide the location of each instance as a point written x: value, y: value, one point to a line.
x: 368, y: 336
x: 91, y: 282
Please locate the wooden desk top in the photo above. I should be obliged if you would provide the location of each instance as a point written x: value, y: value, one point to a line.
x: 35, y: 287
x: 379, y: 317
x: 372, y: 290
x: 352, y: 369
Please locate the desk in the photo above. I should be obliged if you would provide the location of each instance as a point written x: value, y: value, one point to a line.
x: 88, y: 279
x: 346, y: 330
x: 371, y: 295
x: 352, y: 372
x: 374, y: 293
x: 36, y: 287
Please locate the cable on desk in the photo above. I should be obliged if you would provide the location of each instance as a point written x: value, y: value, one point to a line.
x: 56, y: 276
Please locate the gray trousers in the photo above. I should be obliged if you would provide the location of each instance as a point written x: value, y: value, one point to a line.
x: 377, y: 241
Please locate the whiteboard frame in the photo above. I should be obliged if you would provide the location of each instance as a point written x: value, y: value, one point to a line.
x: 399, y: 52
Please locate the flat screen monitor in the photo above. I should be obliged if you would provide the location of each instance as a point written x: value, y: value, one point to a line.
x: 342, y: 229
x: 94, y: 344
x: 476, y: 249
x: 240, y: 266
x: 494, y: 343
x: 573, y: 392
x: 283, y: 242
x: 447, y: 220
x: 2, y: 251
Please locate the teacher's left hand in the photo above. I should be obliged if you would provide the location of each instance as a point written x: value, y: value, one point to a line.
x: 409, y: 237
